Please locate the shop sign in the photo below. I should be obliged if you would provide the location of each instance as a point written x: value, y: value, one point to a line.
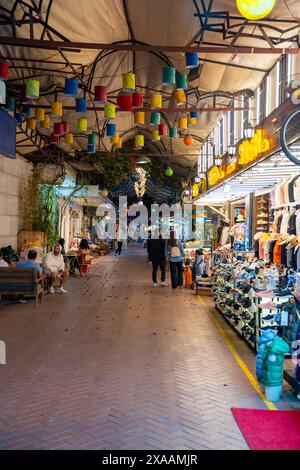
x: 251, y: 150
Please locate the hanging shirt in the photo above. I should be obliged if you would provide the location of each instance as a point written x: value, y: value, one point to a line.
x: 279, y: 194
x: 292, y: 224
x: 262, y: 248
x: 277, y: 253
x: 266, y: 251
x: 285, y: 222
x: 294, y: 258
x: 291, y: 188
x: 298, y: 223
x: 271, y: 250
x: 286, y: 190
x: 297, y: 189
x: 284, y: 254
x: 290, y: 250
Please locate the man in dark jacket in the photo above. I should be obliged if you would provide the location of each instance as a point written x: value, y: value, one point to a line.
x: 156, y: 249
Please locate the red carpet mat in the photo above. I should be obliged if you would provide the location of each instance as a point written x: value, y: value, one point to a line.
x: 269, y: 430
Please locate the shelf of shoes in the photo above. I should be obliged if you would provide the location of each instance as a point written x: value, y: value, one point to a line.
x: 262, y: 215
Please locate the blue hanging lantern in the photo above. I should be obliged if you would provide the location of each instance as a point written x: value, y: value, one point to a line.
x: 19, y: 118
x: 27, y: 111
x: 111, y: 129
x: 194, y: 114
x: 191, y: 60
x: 80, y: 105
x: 91, y: 148
x: 71, y: 87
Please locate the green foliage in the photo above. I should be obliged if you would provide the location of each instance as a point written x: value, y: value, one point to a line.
x: 46, y: 214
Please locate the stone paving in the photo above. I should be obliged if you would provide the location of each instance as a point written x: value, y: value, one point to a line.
x: 118, y: 364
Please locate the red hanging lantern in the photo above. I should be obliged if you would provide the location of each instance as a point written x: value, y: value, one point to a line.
x: 100, y: 94
x: 163, y: 129
x: 137, y: 100
x: 124, y: 102
x: 65, y: 127
x: 55, y: 138
x: 58, y: 128
x: 3, y: 71
x: 188, y: 140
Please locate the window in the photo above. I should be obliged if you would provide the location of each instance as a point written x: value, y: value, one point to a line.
x: 231, y: 130
x: 221, y: 137
x: 262, y: 93
x: 246, y: 115
x: 283, y: 74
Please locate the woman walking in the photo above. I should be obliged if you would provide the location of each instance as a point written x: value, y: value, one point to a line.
x: 175, y: 254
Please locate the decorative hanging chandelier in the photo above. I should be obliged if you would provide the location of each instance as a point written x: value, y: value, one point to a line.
x: 140, y: 186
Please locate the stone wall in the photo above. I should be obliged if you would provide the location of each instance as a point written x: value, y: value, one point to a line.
x: 13, y: 176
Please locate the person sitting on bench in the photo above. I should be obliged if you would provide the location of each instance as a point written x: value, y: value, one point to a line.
x: 30, y: 263
x: 55, y: 268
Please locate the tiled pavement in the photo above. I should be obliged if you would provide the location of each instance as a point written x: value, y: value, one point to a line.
x: 118, y: 364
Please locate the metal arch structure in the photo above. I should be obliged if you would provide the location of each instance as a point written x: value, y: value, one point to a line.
x: 232, y: 28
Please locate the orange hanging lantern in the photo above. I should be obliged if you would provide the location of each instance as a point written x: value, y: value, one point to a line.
x: 188, y: 140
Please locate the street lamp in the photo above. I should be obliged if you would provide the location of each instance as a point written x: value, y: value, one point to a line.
x: 218, y: 160
x: 248, y: 131
x: 231, y: 150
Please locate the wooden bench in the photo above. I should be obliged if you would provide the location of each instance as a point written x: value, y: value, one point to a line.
x: 14, y: 281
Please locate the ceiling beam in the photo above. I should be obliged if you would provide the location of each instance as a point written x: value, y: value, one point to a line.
x: 159, y: 110
x: 77, y: 46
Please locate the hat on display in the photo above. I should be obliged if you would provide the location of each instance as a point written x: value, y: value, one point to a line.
x: 240, y: 218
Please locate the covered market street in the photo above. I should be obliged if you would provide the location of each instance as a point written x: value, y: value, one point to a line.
x: 116, y: 363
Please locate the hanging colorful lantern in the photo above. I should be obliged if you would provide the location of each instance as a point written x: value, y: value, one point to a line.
x: 57, y: 109
x: 181, y: 81
x: 139, y: 117
x: 32, y: 89
x: 46, y: 123
x: 82, y: 125
x: 191, y: 60
x: 255, y: 9
x: 32, y: 124
x: 65, y: 127
x: 10, y: 104
x: 192, y: 121
x: 55, y: 138
x: 69, y: 138
x: 91, y: 148
x: 137, y: 100
x: 92, y: 138
x: 156, y: 101
x: 155, y: 135
x: 119, y: 144
x: 71, y: 87
x: 182, y: 123
x: 139, y: 141
x: 169, y: 76
x: 155, y: 119
x: 173, y: 132
x: 81, y: 105
x: 100, y: 94
x: 39, y: 114
x: 163, y: 129
x: 115, y: 139
x: 3, y: 71
x: 180, y: 97
x: 58, y: 128
x: 194, y: 114
x: 124, y: 102
x: 2, y: 93
x: 111, y: 129
x: 169, y: 171
x: 129, y: 82
x: 188, y: 140
x: 109, y: 111
x: 19, y: 118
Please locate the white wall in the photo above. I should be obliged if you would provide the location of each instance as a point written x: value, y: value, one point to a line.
x: 13, y: 176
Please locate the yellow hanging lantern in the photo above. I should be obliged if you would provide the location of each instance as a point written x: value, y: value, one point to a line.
x: 119, y: 144
x: 139, y: 141
x: 82, y: 125
x: 139, y: 117
x: 156, y: 101
x: 192, y: 121
x: 115, y: 139
x: 255, y: 9
x: 180, y: 97
x: 45, y: 124
x: 182, y: 123
x: 40, y: 114
x: 69, y: 138
x: 109, y: 111
x: 32, y: 124
x: 32, y: 89
x: 129, y: 82
x: 56, y: 109
x: 155, y: 134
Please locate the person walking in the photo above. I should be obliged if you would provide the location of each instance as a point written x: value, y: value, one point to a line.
x: 156, y: 250
x: 175, y: 253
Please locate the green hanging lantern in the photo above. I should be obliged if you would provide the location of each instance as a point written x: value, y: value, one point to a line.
x: 169, y: 171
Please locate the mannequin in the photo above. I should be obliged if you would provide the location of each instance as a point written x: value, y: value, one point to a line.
x: 238, y: 233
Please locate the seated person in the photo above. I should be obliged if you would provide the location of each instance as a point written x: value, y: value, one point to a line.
x: 55, y: 268
x: 84, y: 258
x: 30, y: 263
x: 3, y: 263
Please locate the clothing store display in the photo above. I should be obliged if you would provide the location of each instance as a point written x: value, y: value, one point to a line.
x: 292, y: 224
x: 291, y: 188
x: 285, y: 222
